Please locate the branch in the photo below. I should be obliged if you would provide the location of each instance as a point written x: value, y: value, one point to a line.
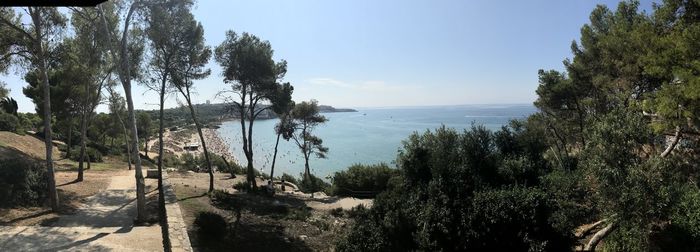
x: 598, y: 237
x: 673, y: 144
x: 255, y: 115
x: 583, y: 232
x: 14, y: 27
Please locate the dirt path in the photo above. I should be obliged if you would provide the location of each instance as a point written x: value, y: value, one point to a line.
x: 103, y: 223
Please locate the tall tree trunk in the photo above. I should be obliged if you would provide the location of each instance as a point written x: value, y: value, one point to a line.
x: 307, y: 170
x: 70, y: 135
x: 42, y: 65
x: 128, y: 147
x: 140, y: 183
x: 251, y: 172
x: 161, y: 192
x: 126, y: 139
x: 125, y: 78
x: 53, y: 194
x: 250, y: 176
x: 274, y: 157
x: 83, y: 130
x: 88, y: 161
x: 204, y: 144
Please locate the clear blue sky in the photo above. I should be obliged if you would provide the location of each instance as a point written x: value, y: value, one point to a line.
x: 369, y: 53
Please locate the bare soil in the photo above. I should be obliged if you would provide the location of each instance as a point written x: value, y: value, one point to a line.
x: 258, y: 222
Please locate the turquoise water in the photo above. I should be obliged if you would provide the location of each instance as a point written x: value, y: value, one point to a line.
x: 368, y: 136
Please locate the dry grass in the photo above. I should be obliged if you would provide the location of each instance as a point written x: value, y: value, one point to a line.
x: 25, y: 143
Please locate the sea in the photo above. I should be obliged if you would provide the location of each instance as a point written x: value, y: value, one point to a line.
x: 368, y: 136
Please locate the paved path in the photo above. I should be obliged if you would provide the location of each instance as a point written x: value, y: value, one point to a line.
x: 103, y: 223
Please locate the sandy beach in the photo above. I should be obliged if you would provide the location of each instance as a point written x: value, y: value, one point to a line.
x: 175, y: 141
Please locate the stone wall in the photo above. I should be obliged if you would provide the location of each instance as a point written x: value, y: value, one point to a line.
x: 177, y: 231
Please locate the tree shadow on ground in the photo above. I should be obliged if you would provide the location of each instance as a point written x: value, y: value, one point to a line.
x: 28, y: 239
x: 257, y: 204
x: 25, y: 217
x: 257, y: 222
x: 193, y: 197
x: 250, y: 234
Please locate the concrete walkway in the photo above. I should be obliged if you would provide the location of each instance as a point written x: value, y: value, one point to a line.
x: 103, y: 223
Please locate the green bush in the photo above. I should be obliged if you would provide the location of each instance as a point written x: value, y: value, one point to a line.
x: 450, y: 196
x: 299, y: 213
x: 356, y: 211
x: 171, y: 160
x: 190, y: 162
x: 233, y: 169
x: 242, y: 186
x: 313, y: 184
x: 337, y: 212
x: 92, y: 154
x: 22, y: 181
x: 289, y: 178
x: 8, y: 122
x: 211, y: 226
x: 362, y: 180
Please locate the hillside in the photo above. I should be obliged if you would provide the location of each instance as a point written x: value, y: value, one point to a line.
x: 218, y: 111
x: 27, y: 144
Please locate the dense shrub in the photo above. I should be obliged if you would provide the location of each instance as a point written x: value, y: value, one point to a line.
x: 93, y: 154
x: 313, y: 184
x: 190, y: 162
x: 241, y: 186
x: 517, y: 215
x: 8, y: 122
x: 217, y: 163
x: 22, y: 181
x: 299, y: 213
x: 171, y: 160
x: 198, y: 163
x: 104, y: 149
x: 233, y: 168
x: 289, y: 178
x: 451, y: 196
x: 362, y: 180
x: 210, y: 225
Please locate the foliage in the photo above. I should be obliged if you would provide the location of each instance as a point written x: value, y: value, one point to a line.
x: 632, y: 84
x: 311, y: 184
x: 93, y: 154
x: 190, y: 162
x: 451, y: 196
x: 4, y: 91
x: 171, y: 160
x: 232, y: 168
x: 22, y: 181
x: 299, y: 213
x: 241, y: 186
x: 304, y: 118
x: 210, y: 225
x: 9, y: 122
x: 336, y: 212
x: 144, y: 125
x: 289, y: 178
x: 362, y: 180
x: 249, y: 68
x: 9, y: 105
